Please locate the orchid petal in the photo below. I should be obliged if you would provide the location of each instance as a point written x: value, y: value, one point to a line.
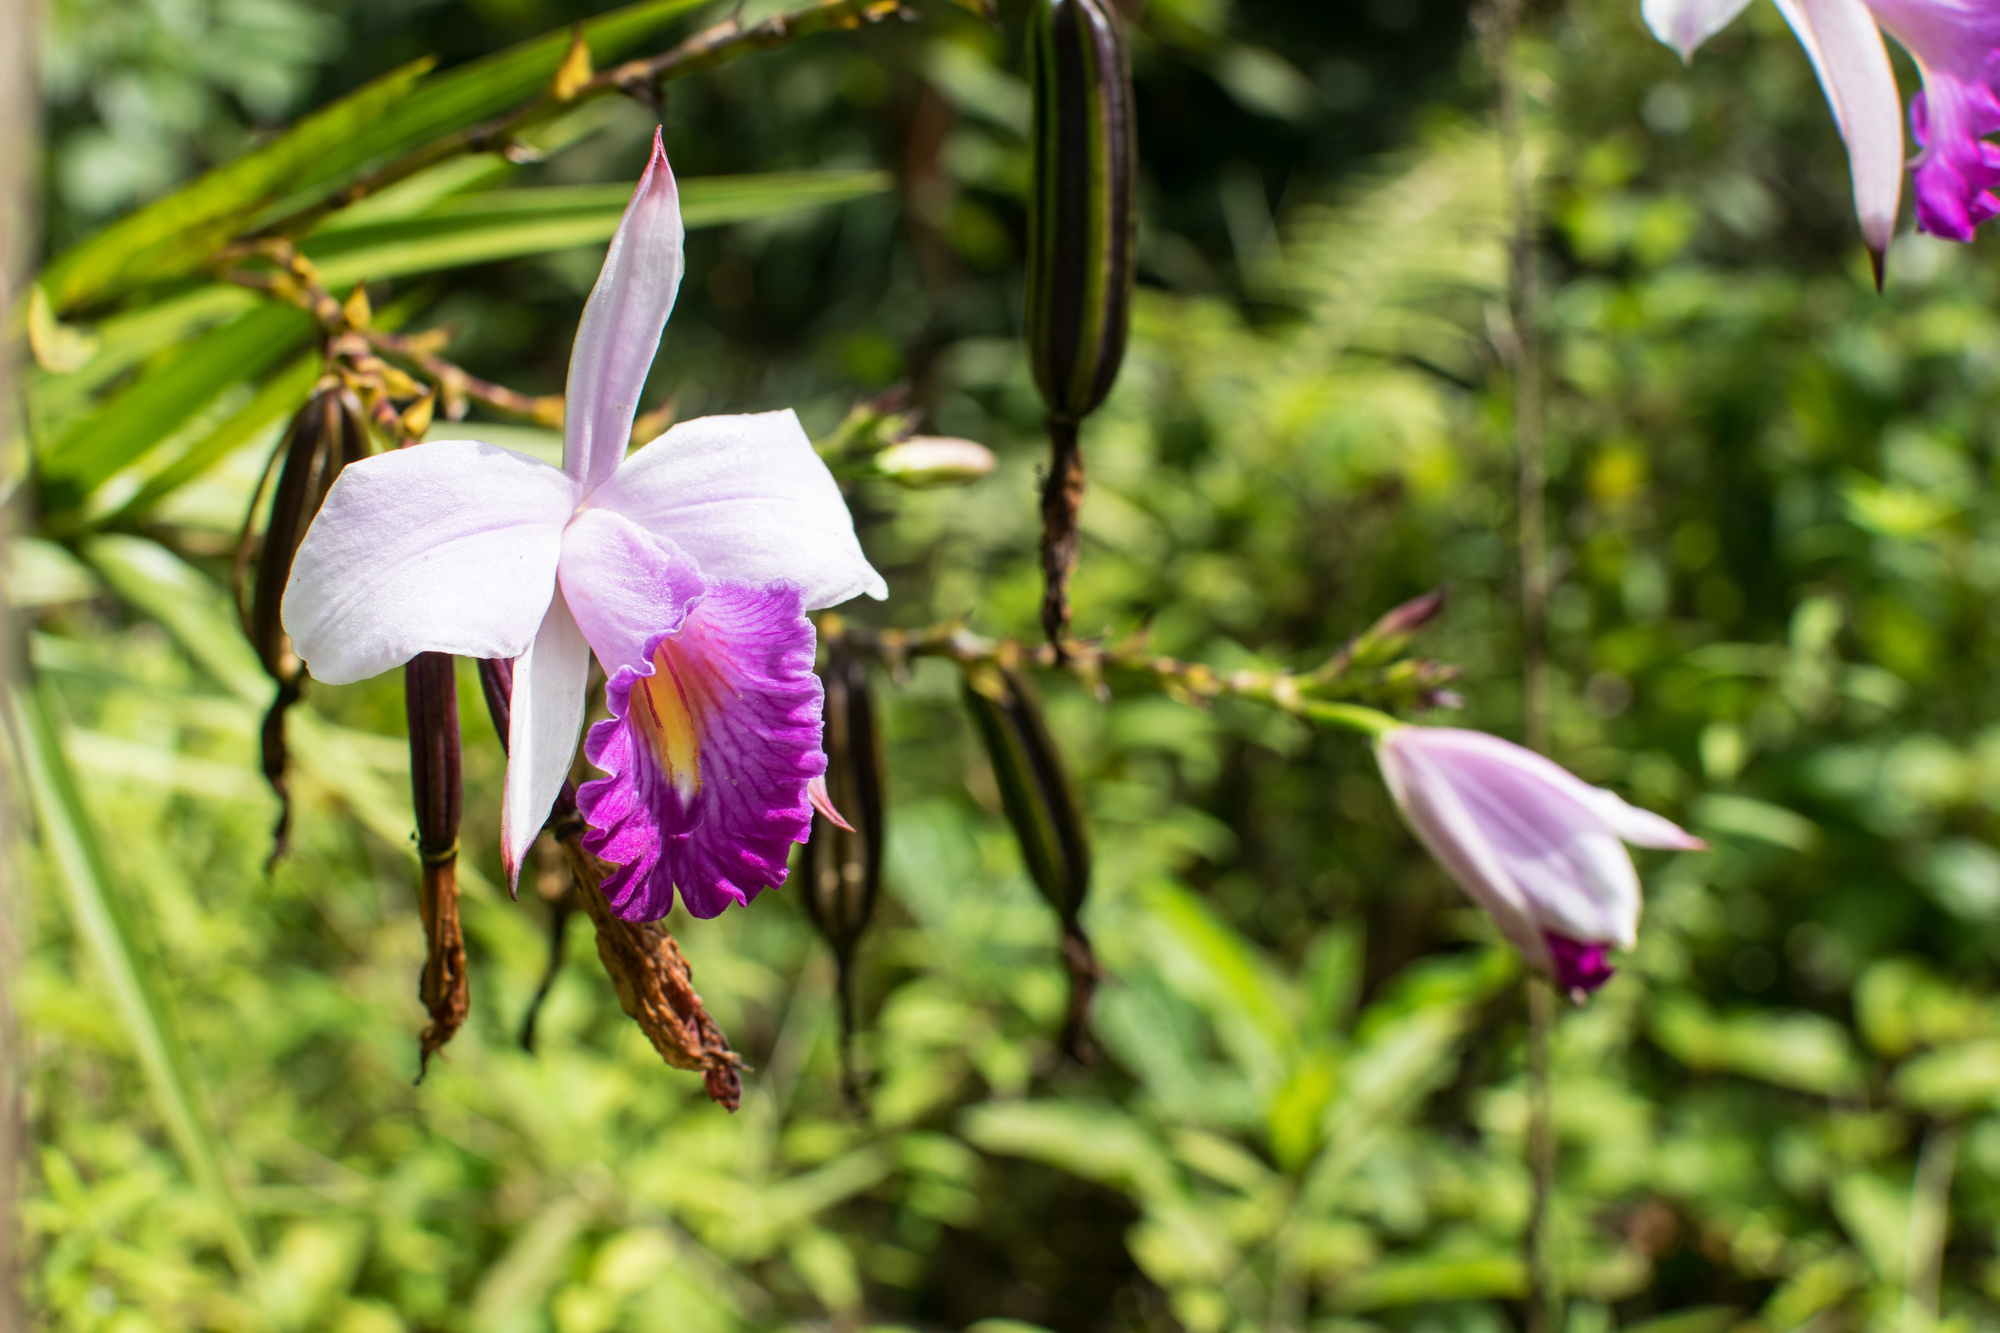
x: 446, y: 547
x: 1437, y: 815
x: 624, y: 585
x: 1686, y: 24
x: 621, y: 326
x: 545, y: 718
x: 1852, y: 62
x: 1957, y: 47
x: 750, y: 500
x: 713, y: 740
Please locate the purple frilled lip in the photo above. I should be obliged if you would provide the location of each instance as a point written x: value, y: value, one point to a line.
x: 713, y: 739
x: 1540, y: 849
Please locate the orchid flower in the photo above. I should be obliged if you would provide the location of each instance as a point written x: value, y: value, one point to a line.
x: 686, y: 568
x: 1956, y: 44
x: 1536, y: 846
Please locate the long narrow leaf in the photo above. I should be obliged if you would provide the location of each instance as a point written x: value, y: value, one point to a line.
x: 507, y: 224
x: 482, y: 89
x: 279, y: 397
x: 67, y: 834
x: 156, y: 405
x: 170, y: 237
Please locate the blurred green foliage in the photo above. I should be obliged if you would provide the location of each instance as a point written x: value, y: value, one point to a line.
x: 1776, y: 548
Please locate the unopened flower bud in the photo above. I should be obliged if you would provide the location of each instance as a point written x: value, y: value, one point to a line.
x: 934, y: 460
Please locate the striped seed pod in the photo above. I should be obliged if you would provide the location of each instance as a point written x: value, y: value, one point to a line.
x: 328, y: 433
x: 843, y: 865
x: 1042, y: 806
x: 430, y: 693
x: 1082, y: 251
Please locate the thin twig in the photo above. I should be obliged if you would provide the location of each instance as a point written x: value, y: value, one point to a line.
x: 1499, y: 24
x: 1334, y: 693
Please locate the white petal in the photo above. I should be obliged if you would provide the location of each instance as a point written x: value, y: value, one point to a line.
x: 621, y: 326
x: 748, y: 498
x: 1852, y: 62
x: 448, y: 547
x: 1686, y: 24
x: 1641, y: 828
x: 545, y: 718
x: 1448, y: 831
x: 625, y: 586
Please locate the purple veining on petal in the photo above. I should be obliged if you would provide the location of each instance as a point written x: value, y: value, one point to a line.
x: 1957, y: 48
x: 1580, y: 968
x: 1958, y: 170
x: 711, y: 742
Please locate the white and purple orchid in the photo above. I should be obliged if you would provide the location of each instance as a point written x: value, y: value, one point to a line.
x: 1956, y: 44
x: 686, y: 568
x: 1537, y: 847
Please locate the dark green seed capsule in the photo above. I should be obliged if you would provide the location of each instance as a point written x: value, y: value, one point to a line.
x: 1042, y: 805
x: 1083, y: 208
x: 843, y: 866
x: 1082, y: 250
x: 327, y: 434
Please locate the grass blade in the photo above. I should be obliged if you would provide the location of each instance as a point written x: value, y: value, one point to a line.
x: 507, y: 224
x: 156, y: 405
x: 66, y: 833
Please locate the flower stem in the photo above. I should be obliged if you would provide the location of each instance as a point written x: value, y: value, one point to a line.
x: 1544, y: 1294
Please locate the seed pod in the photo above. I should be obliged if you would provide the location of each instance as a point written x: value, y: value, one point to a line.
x: 1082, y: 252
x: 655, y: 985
x: 843, y: 866
x: 327, y: 434
x: 1042, y: 805
x: 437, y: 790
x: 1083, y: 209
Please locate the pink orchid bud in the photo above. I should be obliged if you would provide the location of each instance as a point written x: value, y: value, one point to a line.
x: 1537, y: 847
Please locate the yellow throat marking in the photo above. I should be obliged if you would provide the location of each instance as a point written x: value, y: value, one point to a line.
x: 667, y: 714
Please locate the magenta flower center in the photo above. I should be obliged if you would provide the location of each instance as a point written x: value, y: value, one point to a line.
x: 1580, y: 968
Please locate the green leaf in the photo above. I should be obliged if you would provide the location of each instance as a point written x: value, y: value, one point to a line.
x: 506, y: 224
x: 67, y: 834
x: 1094, y: 1142
x: 172, y: 237
x: 484, y: 88
x: 188, y: 606
x: 1469, y: 1277
x: 156, y: 405
x: 280, y: 396
x: 56, y: 401
x: 1790, y: 1049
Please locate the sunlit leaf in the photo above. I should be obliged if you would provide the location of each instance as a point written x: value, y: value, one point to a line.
x: 171, y: 237
x: 506, y: 224
x: 67, y: 834
x: 157, y: 404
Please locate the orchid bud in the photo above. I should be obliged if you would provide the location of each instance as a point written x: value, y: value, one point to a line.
x: 843, y: 859
x: 430, y: 692
x: 1042, y: 806
x: 327, y: 434
x: 1536, y: 846
x: 1082, y: 252
x: 934, y: 460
